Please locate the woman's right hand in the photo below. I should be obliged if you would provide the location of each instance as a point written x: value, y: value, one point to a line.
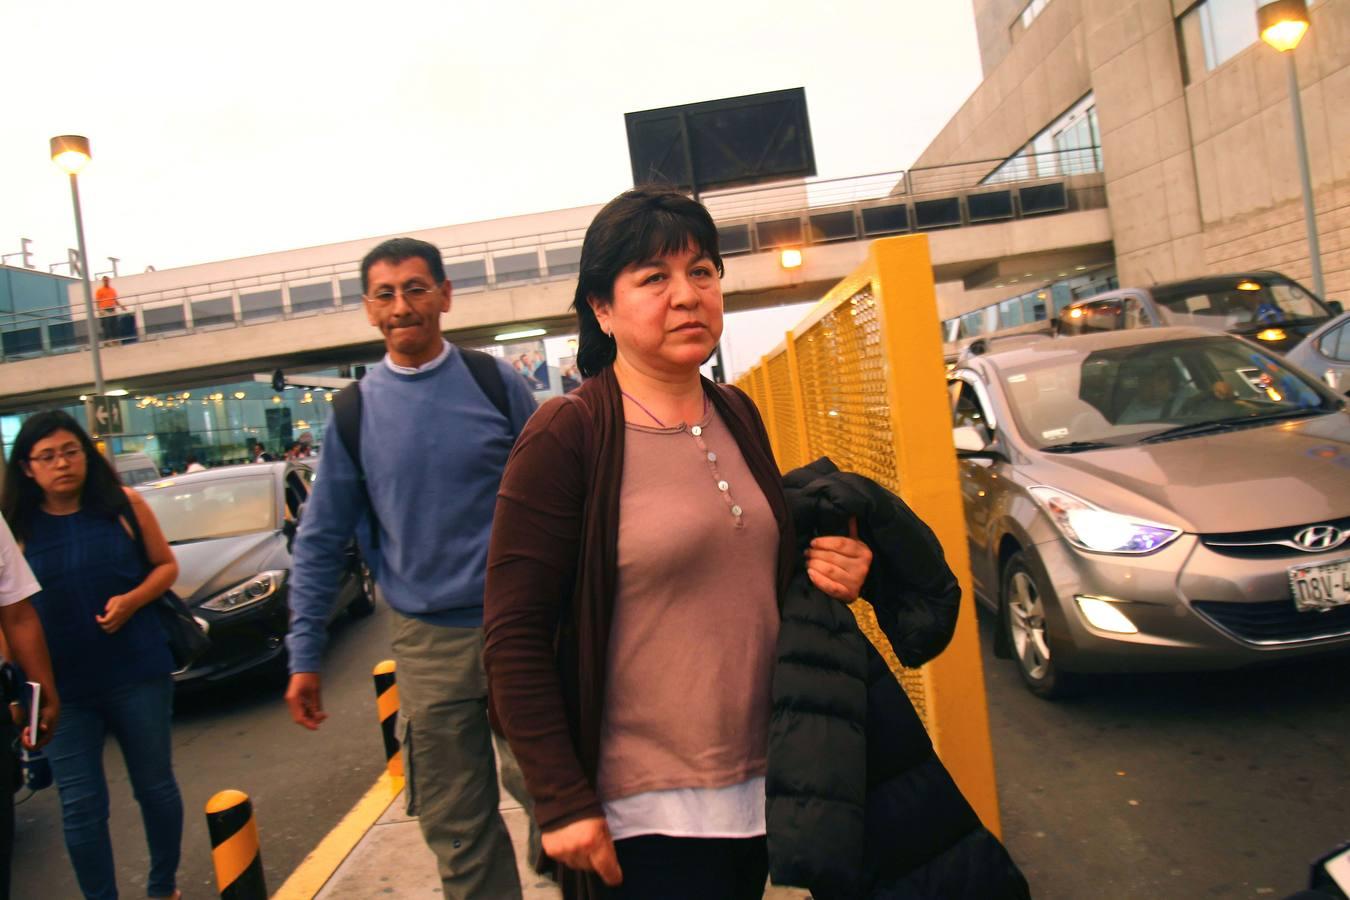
x: 585, y: 845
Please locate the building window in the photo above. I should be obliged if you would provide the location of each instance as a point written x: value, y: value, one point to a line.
x: 1031, y: 11
x: 1214, y: 31
x: 1070, y: 145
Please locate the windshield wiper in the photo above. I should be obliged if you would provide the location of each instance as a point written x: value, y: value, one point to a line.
x: 1076, y: 446
x: 1230, y: 424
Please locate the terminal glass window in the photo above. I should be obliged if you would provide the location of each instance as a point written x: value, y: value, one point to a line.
x: 349, y: 291
x: 1215, y: 31
x: 515, y: 266
x: 1070, y: 145
x: 465, y: 274
x: 1032, y: 10
x: 972, y: 323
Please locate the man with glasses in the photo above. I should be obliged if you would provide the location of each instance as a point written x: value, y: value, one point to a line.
x: 431, y: 441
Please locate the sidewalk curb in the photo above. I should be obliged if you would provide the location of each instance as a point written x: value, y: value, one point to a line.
x: 323, y: 861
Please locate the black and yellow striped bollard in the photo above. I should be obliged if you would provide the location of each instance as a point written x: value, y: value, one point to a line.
x: 234, y: 847
x: 386, y: 704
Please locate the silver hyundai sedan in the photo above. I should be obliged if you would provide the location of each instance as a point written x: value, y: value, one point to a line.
x: 1153, y: 500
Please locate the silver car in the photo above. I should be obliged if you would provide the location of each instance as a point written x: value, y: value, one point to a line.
x: 1154, y: 499
x: 1326, y: 352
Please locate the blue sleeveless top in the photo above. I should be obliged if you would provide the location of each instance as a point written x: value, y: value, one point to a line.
x: 81, y: 560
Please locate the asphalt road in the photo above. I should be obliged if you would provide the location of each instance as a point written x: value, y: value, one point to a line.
x: 242, y: 737
x: 1173, y: 786
x: 1177, y: 786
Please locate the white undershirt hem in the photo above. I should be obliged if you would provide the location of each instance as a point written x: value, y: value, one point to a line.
x: 735, y: 811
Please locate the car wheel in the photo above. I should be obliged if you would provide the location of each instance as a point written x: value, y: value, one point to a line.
x: 1023, y: 617
x: 364, y: 604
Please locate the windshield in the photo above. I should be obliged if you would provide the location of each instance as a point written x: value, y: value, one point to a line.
x: 213, y: 509
x: 1126, y: 394
x: 1250, y: 302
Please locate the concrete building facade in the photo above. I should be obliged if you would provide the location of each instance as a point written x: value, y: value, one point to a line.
x: 1193, y: 119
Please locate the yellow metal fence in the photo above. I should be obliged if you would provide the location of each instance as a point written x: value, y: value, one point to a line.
x: 860, y: 380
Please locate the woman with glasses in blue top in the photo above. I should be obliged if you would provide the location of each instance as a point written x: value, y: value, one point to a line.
x: 112, y: 664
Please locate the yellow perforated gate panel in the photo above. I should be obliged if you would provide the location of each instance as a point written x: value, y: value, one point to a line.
x: 860, y: 380
x: 787, y: 434
x: 848, y: 419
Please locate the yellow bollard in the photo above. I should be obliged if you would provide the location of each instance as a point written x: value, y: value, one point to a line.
x: 234, y: 847
x: 386, y: 705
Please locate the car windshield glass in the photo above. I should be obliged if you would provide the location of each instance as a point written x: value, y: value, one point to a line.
x: 1124, y: 394
x: 217, y: 508
x: 1245, y: 302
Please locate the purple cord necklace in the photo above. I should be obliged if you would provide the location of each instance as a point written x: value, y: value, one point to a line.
x: 638, y: 404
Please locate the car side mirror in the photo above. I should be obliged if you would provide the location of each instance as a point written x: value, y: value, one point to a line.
x: 1336, y: 307
x: 968, y: 439
x: 970, y: 444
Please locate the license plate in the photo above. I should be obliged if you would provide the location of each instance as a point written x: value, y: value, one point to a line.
x: 1320, y: 588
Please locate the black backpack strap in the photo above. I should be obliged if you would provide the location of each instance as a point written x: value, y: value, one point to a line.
x: 485, y: 371
x: 347, y: 418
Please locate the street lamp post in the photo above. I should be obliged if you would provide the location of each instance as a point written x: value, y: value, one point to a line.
x: 1282, y: 24
x: 70, y: 152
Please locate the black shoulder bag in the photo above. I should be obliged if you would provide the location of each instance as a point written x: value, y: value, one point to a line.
x: 186, y: 637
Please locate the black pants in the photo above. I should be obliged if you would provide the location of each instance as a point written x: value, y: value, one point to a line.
x: 656, y: 867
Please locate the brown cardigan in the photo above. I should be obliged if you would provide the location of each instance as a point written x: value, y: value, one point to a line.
x: 552, y: 567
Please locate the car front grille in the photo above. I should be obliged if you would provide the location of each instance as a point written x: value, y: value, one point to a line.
x: 1275, y: 621
x: 1269, y: 543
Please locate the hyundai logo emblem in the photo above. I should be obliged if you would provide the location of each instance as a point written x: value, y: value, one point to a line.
x: 1320, y: 537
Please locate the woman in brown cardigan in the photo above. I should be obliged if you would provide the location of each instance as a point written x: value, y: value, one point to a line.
x: 640, y: 545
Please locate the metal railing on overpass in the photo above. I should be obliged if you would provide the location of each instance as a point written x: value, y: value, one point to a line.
x: 752, y: 220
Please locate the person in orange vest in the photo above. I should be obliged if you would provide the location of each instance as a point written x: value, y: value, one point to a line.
x: 108, y: 305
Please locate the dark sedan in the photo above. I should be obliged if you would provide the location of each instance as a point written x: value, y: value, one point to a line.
x: 231, y: 530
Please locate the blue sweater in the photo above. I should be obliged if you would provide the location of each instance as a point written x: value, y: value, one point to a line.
x: 433, y: 448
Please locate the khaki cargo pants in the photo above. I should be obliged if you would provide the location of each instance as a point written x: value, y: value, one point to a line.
x: 449, y: 762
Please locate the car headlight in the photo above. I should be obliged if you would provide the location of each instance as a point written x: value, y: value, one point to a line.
x: 1092, y: 528
x: 255, y: 590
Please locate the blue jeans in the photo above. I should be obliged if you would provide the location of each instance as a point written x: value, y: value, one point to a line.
x: 139, y: 716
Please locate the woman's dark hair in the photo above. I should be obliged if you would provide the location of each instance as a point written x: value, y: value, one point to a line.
x: 102, y: 493
x: 635, y: 226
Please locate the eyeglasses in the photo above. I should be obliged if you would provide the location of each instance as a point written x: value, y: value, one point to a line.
x: 411, y: 294
x: 49, y: 457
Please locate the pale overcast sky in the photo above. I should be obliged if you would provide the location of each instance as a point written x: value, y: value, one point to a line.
x: 225, y: 130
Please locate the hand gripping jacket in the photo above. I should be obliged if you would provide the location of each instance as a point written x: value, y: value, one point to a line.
x: 858, y: 803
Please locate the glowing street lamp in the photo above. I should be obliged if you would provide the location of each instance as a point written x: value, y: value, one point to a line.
x: 70, y: 152
x: 1283, y: 24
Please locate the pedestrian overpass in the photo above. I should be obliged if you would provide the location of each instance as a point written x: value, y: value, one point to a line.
x: 301, y: 309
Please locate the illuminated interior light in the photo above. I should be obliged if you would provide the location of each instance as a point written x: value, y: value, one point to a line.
x: 791, y: 258
x: 516, y: 335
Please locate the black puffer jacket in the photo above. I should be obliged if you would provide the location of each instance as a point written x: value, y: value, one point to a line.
x: 858, y: 803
